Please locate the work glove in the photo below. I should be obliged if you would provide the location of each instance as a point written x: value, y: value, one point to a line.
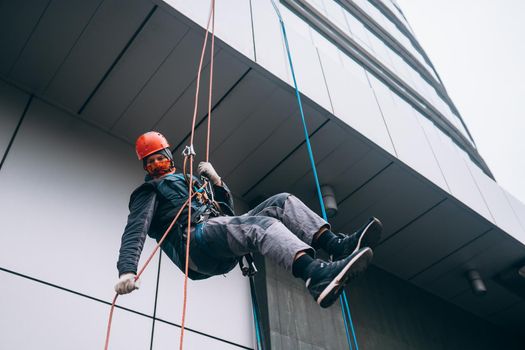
x: 127, y: 284
x: 206, y: 169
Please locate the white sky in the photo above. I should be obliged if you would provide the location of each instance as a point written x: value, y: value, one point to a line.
x: 478, y: 49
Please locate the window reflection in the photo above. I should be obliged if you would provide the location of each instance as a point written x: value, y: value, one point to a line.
x: 368, y: 40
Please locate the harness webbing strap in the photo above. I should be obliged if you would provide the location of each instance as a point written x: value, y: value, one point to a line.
x: 347, y: 318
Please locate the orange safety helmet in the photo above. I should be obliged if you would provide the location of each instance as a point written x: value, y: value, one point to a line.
x: 150, y: 143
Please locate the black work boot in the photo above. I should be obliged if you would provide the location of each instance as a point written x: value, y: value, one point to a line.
x: 327, y: 279
x: 367, y: 235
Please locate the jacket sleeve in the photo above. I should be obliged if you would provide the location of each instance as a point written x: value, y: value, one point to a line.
x: 141, y: 211
x: 223, y: 195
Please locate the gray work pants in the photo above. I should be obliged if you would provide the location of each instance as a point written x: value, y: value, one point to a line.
x: 278, y: 228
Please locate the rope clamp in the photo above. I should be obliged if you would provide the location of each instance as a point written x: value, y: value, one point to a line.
x: 247, y: 265
x: 189, y: 151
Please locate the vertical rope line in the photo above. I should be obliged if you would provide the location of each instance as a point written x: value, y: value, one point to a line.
x: 195, y: 109
x: 188, y: 201
x: 188, y: 237
x: 190, y: 182
x: 348, y: 339
x: 212, y: 54
x: 305, y: 128
x: 256, y: 315
x: 256, y: 321
x: 342, y: 298
x: 108, y: 330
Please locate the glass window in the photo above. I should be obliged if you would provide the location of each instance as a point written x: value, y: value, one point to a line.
x: 392, y: 28
x: 394, y: 62
x: 418, y: 81
x: 394, y: 10
x: 359, y: 32
x: 337, y: 14
x: 364, y: 36
x: 402, y: 68
x: 319, y: 5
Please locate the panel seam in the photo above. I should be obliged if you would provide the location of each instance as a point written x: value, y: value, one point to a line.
x: 449, y: 255
x: 116, y: 61
x: 72, y: 47
x: 226, y: 94
x: 15, y: 132
x: 155, y: 303
x: 365, y: 183
x: 412, y: 221
x: 382, y: 113
x: 324, y: 79
x: 284, y: 159
x: 154, y: 74
x: 28, y: 38
x: 118, y: 306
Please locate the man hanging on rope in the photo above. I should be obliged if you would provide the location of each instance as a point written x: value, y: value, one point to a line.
x: 281, y: 228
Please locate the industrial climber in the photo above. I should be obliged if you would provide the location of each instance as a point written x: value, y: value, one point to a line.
x: 281, y: 228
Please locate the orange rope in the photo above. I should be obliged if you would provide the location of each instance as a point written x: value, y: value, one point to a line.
x: 191, y: 194
x: 184, y: 167
x: 159, y: 243
x: 188, y: 236
x: 191, y: 155
x: 108, y: 331
x: 144, y: 267
x: 194, y: 120
x: 211, y: 79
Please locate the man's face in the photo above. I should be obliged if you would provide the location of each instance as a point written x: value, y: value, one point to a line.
x: 155, y: 158
x: 158, y: 165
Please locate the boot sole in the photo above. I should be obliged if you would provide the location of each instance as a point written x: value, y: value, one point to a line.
x: 352, y: 270
x: 371, y: 235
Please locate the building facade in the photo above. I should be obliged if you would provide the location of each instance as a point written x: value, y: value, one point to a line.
x: 80, y: 80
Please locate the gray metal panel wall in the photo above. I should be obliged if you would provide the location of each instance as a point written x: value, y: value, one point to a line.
x: 388, y: 313
x: 64, y: 190
x: 392, y: 314
x: 295, y: 320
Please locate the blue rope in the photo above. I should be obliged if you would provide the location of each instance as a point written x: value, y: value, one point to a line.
x: 255, y: 309
x: 346, y: 325
x: 257, y: 331
x: 350, y: 319
x: 342, y: 298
